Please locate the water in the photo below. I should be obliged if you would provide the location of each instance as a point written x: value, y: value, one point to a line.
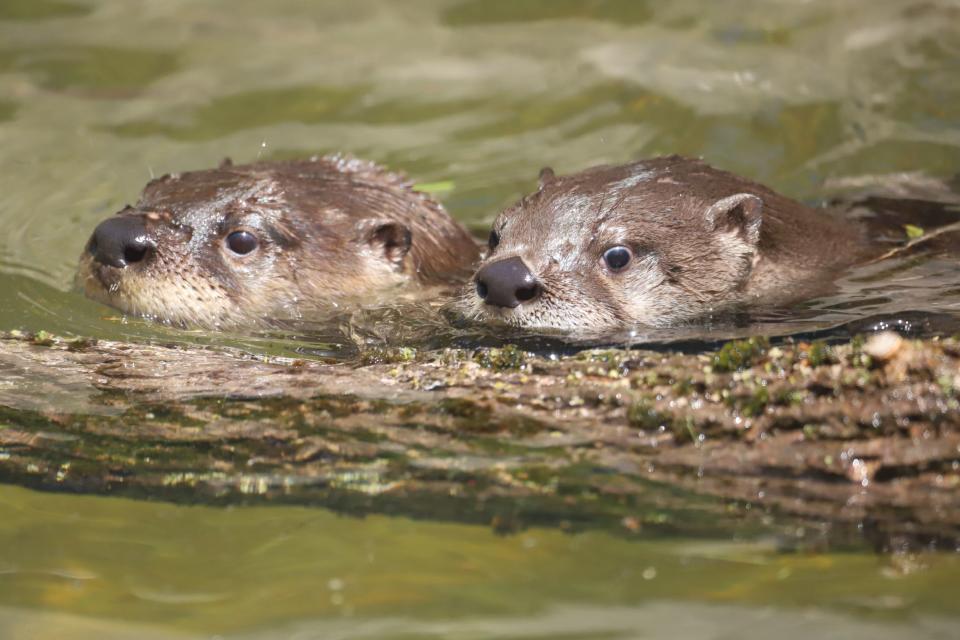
x: 98, y: 98
x: 472, y: 96
x: 113, y: 568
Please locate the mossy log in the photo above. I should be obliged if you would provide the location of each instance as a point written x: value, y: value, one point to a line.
x: 815, y: 442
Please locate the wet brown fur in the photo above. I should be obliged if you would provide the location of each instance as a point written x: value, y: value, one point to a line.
x: 332, y: 230
x: 689, y: 260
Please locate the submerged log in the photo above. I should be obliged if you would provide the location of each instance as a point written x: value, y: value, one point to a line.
x: 817, y: 443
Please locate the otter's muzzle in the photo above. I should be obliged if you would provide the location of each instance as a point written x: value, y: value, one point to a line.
x: 119, y: 241
x: 507, y: 283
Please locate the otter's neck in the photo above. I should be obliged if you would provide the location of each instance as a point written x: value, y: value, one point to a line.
x: 801, y: 250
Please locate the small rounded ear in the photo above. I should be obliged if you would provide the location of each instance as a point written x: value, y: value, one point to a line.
x: 392, y: 240
x: 740, y: 214
x: 546, y: 176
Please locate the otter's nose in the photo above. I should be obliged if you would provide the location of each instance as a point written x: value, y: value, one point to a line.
x: 507, y: 283
x: 119, y: 241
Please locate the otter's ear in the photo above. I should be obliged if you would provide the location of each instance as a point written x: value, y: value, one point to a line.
x: 392, y: 240
x: 546, y: 176
x: 739, y: 214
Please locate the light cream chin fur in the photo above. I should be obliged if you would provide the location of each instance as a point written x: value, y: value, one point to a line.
x: 175, y: 301
x: 191, y: 299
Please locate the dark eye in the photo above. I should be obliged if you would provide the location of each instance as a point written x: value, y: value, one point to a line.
x: 617, y: 257
x: 493, y: 240
x: 242, y: 242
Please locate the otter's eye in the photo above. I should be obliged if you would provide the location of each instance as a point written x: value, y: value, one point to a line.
x: 242, y: 242
x: 493, y: 240
x: 617, y: 258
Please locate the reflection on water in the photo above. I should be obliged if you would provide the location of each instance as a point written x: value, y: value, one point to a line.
x: 565, y: 622
x: 90, y: 70
x: 307, y: 573
x: 40, y: 9
x: 97, y: 97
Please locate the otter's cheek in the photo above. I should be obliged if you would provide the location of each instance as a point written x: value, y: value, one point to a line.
x: 175, y: 300
x: 187, y: 301
x: 665, y: 306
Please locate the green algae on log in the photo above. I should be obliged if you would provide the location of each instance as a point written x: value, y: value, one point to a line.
x: 837, y: 440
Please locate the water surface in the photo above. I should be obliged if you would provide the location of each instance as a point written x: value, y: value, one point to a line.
x: 95, y: 99
x: 472, y: 97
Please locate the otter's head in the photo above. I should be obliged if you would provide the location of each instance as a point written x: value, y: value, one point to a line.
x: 653, y: 243
x: 236, y: 245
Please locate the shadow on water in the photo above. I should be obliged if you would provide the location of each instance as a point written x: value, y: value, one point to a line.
x: 480, y: 12
x: 94, y: 71
x: 7, y: 110
x: 41, y: 9
x: 305, y: 105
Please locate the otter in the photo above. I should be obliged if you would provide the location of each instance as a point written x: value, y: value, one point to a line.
x: 655, y: 243
x: 241, y: 244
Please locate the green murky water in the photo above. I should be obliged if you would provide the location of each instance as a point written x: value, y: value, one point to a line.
x: 97, y: 97
x: 113, y: 568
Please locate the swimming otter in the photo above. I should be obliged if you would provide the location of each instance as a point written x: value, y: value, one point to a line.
x: 238, y: 244
x: 657, y: 243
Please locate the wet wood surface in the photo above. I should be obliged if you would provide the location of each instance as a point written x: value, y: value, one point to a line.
x: 848, y: 442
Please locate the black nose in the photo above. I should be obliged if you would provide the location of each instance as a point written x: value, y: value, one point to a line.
x: 507, y: 283
x: 119, y: 241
